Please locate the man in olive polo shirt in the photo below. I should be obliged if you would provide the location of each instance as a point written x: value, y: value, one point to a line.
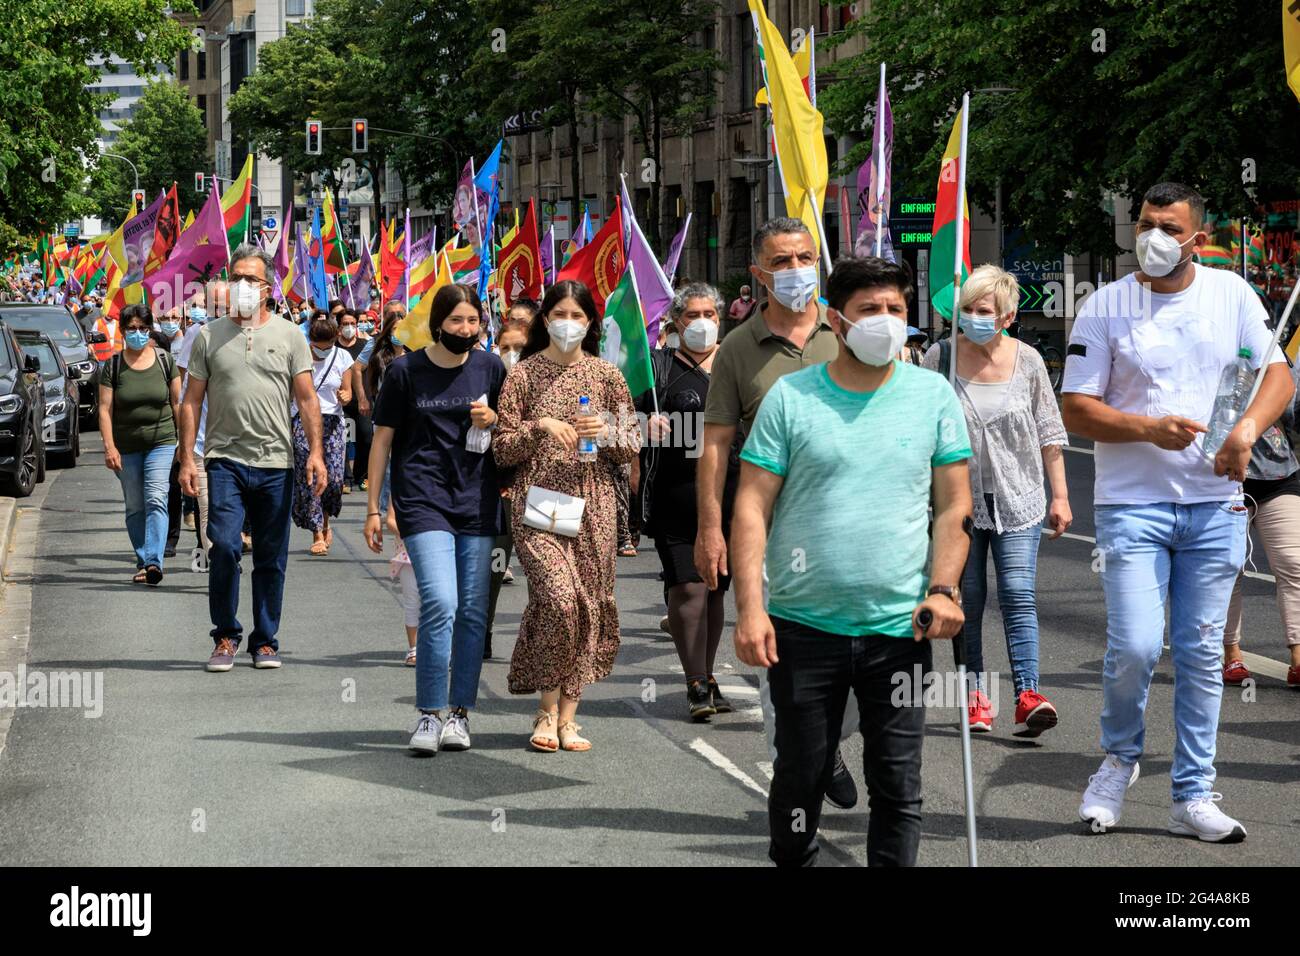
x: 249, y: 365
x: 789, y: 332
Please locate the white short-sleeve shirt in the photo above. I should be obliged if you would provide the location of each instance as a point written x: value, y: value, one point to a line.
x: 1145, y: 353
x: 327, y: 374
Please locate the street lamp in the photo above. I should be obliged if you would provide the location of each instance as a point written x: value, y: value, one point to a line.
x: 129, y: 163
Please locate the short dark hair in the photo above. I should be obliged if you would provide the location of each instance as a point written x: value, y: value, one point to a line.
x: 335, y: 304
x: 1166, y: 194
x: 781, y: 226
x: 322, y: 327
x: 136, y: 312
x: 528, y: 305
x: 854, y: 274
x: 538, y: 336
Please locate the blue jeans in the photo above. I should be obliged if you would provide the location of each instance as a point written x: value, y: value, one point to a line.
x: 1015, y: 565
x: 1189, y: 555
x: 264, y: 495
x: 144, y: 489
x: 453, y: 573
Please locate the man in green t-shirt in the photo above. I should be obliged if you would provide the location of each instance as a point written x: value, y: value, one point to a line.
x: 841, y: 461
x: 249, y: 365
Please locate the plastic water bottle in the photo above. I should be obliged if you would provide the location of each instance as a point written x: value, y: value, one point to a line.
x: 586, y: 446
x: 1235, y: 385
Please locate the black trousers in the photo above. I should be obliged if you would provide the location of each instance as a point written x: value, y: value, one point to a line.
x: 810, y: 684
x: 174, y: 506
x: 365, y: 433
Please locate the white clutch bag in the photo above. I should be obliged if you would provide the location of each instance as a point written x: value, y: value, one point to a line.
x: 552, y: 511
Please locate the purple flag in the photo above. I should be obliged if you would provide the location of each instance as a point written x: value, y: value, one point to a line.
x: 873, y: 187
x: 282, y: 264
x: 675, y: 249
x: 653, y: 288
x: 301, y: 286
x: 548, y: 255
x: 137, y: 240
x: 359, y: 284
x: 421, y: 248
x: 184, y: 275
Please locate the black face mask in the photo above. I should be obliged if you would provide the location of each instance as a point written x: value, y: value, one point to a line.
x: 457, y: 344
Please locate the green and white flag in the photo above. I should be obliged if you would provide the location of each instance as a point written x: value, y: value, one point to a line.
x: 623, y: 340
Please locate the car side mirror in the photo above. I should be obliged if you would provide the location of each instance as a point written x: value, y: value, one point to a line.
x: 98, y: 338
x: 31, y: 363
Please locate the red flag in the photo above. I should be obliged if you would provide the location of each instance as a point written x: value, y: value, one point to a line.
x: 394, y: 269
x: 167, y: 228
x: 600, y: 263
x: 519, y: 272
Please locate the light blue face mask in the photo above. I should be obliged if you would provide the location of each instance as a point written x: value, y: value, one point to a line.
x: 170, y: 328
x: 978, y: 328
x: 794, y: 288
x: 198, y: 315
x: 137, y: 340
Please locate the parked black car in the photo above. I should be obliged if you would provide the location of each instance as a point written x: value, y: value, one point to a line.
x: 22, y: 409
x: 67, y: 333
x: 61, y: 428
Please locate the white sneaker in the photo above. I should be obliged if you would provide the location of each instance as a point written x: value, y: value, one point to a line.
x: 455, y: 732
x: 1104, y: 798
x: 1202, y: 819
x: 426, y: 733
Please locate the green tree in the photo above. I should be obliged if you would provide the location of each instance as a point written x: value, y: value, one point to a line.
x: 1100, y: 97
x: 167, y: 142
x: 48, y: 117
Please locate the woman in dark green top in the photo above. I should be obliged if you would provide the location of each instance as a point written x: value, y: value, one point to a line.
x: 139, y: 392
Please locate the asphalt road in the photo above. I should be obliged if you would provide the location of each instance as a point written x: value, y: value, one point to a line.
x: 308, y: 764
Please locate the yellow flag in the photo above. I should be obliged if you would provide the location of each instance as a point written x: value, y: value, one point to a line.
x: 798, y: 129
x: 1291, y: 44
x: 413, y: 330
x: 1293, y: 349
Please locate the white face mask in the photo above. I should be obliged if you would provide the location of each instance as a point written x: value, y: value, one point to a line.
x: 1159, y: 253
x: 875, y: 339
x: 348, y: 332
x: 794, y: 288
x: 700, y: 335
x: 508, y: 358
x: 247, y: 299
x: 567, y: 334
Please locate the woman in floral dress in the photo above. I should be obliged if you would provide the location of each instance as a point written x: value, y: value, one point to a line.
x: 569, y: 633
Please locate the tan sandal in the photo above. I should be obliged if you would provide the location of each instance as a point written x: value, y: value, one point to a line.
x: 320, y: 548
x: 546, y: 742
x: 571, y: 740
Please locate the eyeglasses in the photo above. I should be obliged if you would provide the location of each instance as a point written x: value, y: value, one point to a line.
x: 258, y: 279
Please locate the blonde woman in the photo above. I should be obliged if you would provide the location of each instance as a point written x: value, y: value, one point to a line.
x: 1010, y: 411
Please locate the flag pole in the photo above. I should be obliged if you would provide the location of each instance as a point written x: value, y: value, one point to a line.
x: 636, y: 293
x: 961, y: 225
x: 880, y: 161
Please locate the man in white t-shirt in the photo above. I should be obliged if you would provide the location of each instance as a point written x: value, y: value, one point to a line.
x: 1141, y: 374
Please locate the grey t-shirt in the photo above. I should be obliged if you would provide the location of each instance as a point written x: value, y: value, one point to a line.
x: 250, y: 373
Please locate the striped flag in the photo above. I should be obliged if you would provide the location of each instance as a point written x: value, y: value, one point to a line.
x: 944, y: 239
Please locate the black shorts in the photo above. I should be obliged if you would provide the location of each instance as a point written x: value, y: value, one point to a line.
x: 678, y: 558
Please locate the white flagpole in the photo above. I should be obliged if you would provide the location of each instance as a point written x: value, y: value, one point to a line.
x: 880, y: 161
x: 961, y: 223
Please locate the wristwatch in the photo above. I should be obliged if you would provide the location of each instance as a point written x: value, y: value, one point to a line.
x: 946, y: 591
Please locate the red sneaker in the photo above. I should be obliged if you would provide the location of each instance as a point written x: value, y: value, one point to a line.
x: 1235, y: 672
x: 1034, y: 714
x: 1293, y: 675
x: 981, y: 713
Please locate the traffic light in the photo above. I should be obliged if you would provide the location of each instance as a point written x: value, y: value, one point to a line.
x: 360, y: 136
x: 137, y: 197
x: 198, y: 183
x: 313, y: 137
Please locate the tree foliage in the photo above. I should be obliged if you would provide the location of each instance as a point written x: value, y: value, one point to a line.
x: 48, y: 117
x: 167, y: 142
x: 1105, y: 97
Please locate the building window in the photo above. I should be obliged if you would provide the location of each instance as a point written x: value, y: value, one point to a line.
x: 201, y: 65
x: 203, y: 107
x: 185, y: 65
x: 295, y: 8
x: 745, y: 25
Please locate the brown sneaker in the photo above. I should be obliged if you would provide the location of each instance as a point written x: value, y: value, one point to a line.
x: 266, y: 656
x: 223, y: 656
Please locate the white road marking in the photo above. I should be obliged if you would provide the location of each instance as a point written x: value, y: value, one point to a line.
x: 738, y: 690
x: 766, y: 767
x: 726, y: 766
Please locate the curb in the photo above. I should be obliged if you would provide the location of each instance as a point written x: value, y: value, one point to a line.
x: 8, y: 516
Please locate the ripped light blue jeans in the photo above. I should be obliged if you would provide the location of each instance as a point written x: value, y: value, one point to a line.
x: 1185, y: 556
